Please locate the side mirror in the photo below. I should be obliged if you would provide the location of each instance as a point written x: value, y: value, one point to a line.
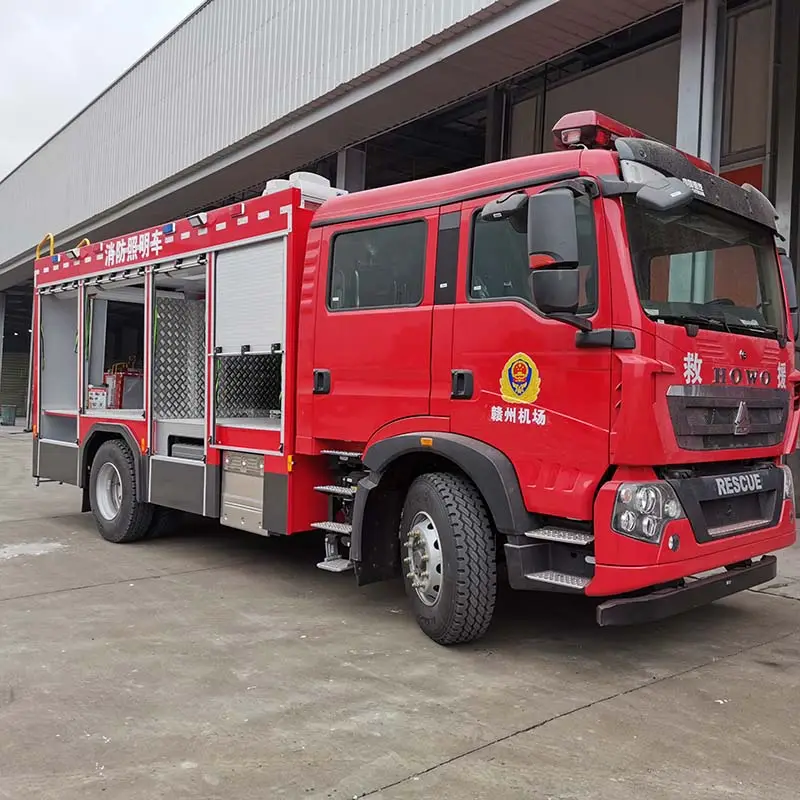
x: 790, y: 282
x: 664, y: 194
x: 553, y: 227
x: 556, y: 291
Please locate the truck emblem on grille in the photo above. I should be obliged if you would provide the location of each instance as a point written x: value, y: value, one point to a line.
x: 741, y: 423
x: 738, y: 375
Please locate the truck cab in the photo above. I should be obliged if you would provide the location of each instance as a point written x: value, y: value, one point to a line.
x: 596, y: 341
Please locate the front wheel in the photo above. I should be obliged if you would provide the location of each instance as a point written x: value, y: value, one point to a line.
x: 448, y: 550
x: 119, y: 516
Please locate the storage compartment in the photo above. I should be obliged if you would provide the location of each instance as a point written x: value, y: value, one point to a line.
x: 58, y: 366
x: 57, y: 461
x: 250, y: 298
x: 190, y: 450
x: 179, y: 359
x: 242, y: 491
x: 178, y: 483
x: 114, y: 333
x: 249, y: 336
x: 59, y: 427
x: 249, y: 390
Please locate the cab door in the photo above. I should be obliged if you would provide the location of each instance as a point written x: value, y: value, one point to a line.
x: 540, y: 389
x: 372, y: 342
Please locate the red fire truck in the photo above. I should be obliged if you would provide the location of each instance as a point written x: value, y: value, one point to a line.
x: 575, y: 368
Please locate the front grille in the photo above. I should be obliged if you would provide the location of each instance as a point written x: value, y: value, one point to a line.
x: 704, y: 417
x: 726, y: 501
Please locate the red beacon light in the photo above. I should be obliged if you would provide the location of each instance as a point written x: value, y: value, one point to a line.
x: 591, y: 130
x: 596, y: 131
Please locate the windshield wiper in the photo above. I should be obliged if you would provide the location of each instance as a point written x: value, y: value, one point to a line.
x: 719, y: 322
x: 762, y: 329
x: 692, y: 319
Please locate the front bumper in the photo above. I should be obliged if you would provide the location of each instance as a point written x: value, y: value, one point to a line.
x: 625, y: 566
x: 661, y: 603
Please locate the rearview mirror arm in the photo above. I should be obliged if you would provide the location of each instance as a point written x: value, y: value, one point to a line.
x: 581, y: 323
x: 580, y: 187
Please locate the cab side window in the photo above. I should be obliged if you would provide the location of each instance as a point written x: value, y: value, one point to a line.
x: 379, y: 267
x: 500, y: 265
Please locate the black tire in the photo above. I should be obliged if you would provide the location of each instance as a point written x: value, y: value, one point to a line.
x: 133, y: 518
x: 463, y: 609
x: 165, y: 520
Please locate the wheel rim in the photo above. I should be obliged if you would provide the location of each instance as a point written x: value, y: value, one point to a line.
x: 108, y: 491
x: 423, y: 558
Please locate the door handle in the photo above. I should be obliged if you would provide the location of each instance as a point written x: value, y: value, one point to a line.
x: 322, y: 381
x: 463, y: 384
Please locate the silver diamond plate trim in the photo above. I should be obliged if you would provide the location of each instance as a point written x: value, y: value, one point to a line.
x: 560, y: 579
x: 249, y: 386
x: 333, y: 527
x: 561, y: 535
x: 179, y: 359
x: 339, y: 491
x: 336, y: 565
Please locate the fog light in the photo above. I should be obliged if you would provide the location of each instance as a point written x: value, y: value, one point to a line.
x: 649, y: 527
x: 627, y: 521
x: 646, y: 499
x: 672, y: 508
x: 625, y: 494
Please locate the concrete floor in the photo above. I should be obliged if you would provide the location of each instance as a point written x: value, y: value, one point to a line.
x: 214, y: 664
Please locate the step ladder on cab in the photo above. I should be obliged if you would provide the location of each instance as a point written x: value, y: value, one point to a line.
x: 347, y: 470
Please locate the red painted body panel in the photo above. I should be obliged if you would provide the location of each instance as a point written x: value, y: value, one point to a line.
x: 402, y: 427
x: 136, y: 427
x: 379, y: 359
x: 306, y: 506
x: 432, y: 192
x: 243, y: 438
x: 264, y: 216
x: 313, y: 273
x: 574, y: 397
x: 35, y: 409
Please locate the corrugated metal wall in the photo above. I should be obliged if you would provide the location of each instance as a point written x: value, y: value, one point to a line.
x: 14, y: 381
x: 233, y: 69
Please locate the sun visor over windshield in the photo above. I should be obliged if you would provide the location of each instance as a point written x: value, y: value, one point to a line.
x: 745, y: 201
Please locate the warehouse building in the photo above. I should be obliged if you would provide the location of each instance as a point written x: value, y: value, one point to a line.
x: 370, y: 93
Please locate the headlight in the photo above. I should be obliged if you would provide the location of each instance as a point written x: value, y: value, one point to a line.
x: 788, y: 483
x: 642, y: 510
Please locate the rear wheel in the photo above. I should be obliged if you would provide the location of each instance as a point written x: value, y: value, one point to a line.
x: 119, y: 516
x: 448, y: 549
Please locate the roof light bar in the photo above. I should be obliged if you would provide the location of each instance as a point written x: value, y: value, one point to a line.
x: 596, y: 131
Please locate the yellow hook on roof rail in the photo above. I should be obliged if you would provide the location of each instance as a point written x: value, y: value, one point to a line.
x: 47, y: 237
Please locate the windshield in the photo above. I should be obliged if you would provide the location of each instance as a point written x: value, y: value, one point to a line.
x: 708, y: 267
